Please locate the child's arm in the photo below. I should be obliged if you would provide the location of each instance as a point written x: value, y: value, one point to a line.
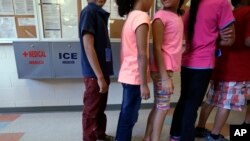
x: 142, y: 46
x: 227, y: 36
x: 158, y: 35
x: 247, y: 42
x: 88, y: 40
x: 247, y: 30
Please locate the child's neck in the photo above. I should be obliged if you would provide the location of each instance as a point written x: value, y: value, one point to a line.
x: 174, y: 10
x: 139, y: 7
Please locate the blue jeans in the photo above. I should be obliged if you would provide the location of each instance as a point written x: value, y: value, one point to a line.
x: 129, y: 112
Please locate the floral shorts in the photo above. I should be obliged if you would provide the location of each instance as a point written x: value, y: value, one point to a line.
x: 228, y: 95
x: 161, y: 98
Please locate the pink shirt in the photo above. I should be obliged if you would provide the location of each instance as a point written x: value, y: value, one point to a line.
x: 129, y: 70
x: 172, y: 40
x: 212, y: 16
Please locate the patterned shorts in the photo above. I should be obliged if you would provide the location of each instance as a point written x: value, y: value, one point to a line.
x: 161, y: 98
x: 228, y: 95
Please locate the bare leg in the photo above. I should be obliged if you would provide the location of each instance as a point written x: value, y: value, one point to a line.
x: 204, y: 114
x: 158, y: 124
x: 247, y: 117
x: 149, y: 128
x: 220, y: 119
x: 154, y: 125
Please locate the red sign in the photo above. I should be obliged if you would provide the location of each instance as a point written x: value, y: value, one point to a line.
x: 34, y: 54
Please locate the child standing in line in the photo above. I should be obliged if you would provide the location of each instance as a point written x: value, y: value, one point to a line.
x: 97, y: 67
x: 168, y: 31
x: 134, y: 63
x: 203, y: 23
x: 231, y: 77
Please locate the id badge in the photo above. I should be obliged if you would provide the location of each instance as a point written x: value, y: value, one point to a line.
x: 108, y: 54
x: 218, y: 53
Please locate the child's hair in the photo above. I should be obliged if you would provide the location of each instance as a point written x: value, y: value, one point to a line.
x: 125, y: 6
x: 235, y: 2
x: 192, y: 19
x: 179, y: 10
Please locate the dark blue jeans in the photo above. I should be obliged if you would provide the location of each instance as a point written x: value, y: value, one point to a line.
x: 129, y: 112
x: 194, y: 83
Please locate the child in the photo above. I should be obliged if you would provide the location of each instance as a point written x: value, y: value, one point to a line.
x: 167, y: 30
x: 97, y: 67
x: 203, y: 22
x: 231, y: 76
x: 134, y: 63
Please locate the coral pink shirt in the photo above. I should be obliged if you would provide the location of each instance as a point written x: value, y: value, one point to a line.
x: 212, y: 16
x: 172, y: 40
x: 129, y: 70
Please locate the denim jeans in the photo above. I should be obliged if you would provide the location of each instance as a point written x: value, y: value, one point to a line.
x: 194, y: 83
x: 129, y: 112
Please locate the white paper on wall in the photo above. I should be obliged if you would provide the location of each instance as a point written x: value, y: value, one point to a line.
x: 26, y: 21
x: 52, y: 33
x: 23, y: 7
x: 50, y: 1
x: 51, y: 16
x: 6, y: 7
x: 8, y: 27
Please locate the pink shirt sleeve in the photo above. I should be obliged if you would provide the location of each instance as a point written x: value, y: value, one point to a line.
x: 160, y: 15
x: 225, y: 14
x: 139, y: 20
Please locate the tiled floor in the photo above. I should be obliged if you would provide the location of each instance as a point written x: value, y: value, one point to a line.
x: 66, y: 126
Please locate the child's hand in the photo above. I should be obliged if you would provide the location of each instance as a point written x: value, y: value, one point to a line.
x: 102, y: 85
x: 145, y: 93
x: 167, y: 86
x: 227, y: 36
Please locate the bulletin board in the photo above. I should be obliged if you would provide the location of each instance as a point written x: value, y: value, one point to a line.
x: 25, y: 26
x: 17, y: 20
x: 39, y: 20
x: 60, y: 18
x: 53, y: 20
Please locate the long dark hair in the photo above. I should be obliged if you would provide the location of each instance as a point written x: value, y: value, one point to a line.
x: 192, y: 19
x: 235, y: 2
x: 179, y: 10
x: 125, y: 6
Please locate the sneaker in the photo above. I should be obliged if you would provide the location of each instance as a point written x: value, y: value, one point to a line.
x: 201, y: 132
x: 174, y: 138
x: 108, y: 138
x: 221, y: 138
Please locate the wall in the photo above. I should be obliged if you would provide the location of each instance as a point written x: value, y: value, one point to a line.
x: 16, y: 92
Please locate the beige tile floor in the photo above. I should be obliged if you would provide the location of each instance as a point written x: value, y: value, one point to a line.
x: 66, y: 126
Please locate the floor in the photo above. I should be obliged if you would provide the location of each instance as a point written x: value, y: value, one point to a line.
x: 66, y: 126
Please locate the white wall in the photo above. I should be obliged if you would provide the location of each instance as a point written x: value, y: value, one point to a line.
x: 16, y: 92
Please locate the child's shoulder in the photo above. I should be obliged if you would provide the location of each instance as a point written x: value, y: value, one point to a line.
x: 164, y: 14
x: 89, y: 9
x: 137, y: 14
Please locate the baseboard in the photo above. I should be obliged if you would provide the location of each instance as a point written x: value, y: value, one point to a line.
x: 110, y: 107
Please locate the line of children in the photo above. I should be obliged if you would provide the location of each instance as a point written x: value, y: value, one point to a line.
x: 197, y: 64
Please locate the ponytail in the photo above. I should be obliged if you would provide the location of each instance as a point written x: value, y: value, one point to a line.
x: 192, y: 19
x: 125, y: 6
x: 179, y: 10
x: 235, y: 2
